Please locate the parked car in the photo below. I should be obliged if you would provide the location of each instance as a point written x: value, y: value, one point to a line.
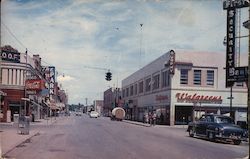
x: 214, y: 127
x: 93, y: 114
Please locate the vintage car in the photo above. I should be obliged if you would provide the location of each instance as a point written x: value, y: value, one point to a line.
x: 214, y: 127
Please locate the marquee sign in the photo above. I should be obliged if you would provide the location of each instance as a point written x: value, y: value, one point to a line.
x: 10, y: 54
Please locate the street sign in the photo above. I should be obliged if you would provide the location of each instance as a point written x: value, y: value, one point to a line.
x: 229, y: 4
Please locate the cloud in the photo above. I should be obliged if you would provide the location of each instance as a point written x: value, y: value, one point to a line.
x: 71, y: 35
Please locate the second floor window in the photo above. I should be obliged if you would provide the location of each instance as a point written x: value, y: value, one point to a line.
x: 197, y: 77
x: 165, y: 79
x: 135, y: 89
x: 184, y: 76
x: 131, y: 90
x: 156, y: 80
x: 148, y: 85
x: 210, y: 77
x: 141, y: 87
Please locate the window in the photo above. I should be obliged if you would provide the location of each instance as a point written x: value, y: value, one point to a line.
x: 127, y: 91
x: 123, y: 93
x: 184, y: 76
x: 141, y: 87
x: 165, y: 79
x: 210, y: 77
x: 135, y: 89
x: 197, y: 77
x: 131, y: 90
x: 148, y: 85
x: 156, y: 82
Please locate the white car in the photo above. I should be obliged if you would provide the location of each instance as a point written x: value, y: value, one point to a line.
x: 93, y: 114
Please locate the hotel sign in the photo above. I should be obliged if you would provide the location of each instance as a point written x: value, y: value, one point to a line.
x: 227, y: 4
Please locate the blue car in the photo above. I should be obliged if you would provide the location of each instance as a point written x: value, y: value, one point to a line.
x: 214, y: 127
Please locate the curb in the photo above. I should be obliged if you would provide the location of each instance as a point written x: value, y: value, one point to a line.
x: 19, y: 143
x: 135, y: 123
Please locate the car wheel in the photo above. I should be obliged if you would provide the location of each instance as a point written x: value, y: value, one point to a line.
x: 211, y: 136
x: 191, y: 132
x: 237, y: 142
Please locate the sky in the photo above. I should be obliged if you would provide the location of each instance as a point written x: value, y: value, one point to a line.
x: 85, y: 38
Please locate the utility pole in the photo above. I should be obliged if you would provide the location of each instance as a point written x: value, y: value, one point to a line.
x: 25, y: 78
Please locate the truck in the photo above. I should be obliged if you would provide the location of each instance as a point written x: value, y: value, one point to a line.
x: 118, y: 114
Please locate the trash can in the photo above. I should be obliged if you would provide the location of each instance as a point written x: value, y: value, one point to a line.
x: 24, y: 125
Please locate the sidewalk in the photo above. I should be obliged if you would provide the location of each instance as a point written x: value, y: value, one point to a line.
x: 10, y: 138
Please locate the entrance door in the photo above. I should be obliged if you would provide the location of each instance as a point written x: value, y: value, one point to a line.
x: 183, y: 114
x: 15, y: 109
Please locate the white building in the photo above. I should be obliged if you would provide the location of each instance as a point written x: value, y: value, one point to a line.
x: 180, y: 86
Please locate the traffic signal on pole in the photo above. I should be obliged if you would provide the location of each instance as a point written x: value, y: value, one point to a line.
x: 108, y: 76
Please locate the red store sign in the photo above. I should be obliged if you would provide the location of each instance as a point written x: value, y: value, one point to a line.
x: 34, y: 84
x: 191, y: 98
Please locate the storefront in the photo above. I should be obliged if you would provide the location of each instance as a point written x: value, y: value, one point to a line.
x: 179, y: 89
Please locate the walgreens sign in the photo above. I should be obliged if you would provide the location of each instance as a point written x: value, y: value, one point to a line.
x: 194, y: 98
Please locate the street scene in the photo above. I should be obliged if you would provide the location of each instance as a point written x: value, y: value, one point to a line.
x: 142, y: 79
x: 91, y: 138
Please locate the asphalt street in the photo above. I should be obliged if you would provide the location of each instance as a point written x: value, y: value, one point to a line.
x: 81, y: 137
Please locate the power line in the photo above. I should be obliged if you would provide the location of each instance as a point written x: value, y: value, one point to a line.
x: 14, y: 35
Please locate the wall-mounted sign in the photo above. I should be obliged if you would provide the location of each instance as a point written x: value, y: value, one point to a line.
x: 196, y: 98
x: 161, y: 97
x: 228, y: 4
x: 171, y: 61
x: 34, y: 84
x: 49, y: 73
x: 10, y: 54
x: 230, y: 58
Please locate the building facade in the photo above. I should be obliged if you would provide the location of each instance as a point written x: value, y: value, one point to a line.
x: 111, y: 99
x: 181, y: 86
x: 24, y: 86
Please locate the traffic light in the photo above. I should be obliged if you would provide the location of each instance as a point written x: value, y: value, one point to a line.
x: 108, y: 76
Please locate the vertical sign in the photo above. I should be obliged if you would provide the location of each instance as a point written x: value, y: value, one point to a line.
x: 52, y: 81
x: 230, y: 66
x: 171, y: 61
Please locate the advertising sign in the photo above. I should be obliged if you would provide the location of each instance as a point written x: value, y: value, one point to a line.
x: 228, y: 4
x: 171, y: 62
x: 49, y: 73
x: 230, y: 57
x: 34, y: 84
x: 10, y: 54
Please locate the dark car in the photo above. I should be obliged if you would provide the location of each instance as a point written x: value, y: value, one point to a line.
x: 215, y: 127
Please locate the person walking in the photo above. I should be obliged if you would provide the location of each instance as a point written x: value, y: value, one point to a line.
x: 154, y: 119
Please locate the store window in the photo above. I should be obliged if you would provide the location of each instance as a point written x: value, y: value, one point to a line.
x: 148, y: 85
x: 210, y: 77
x: 156, y: 83
x: 141, y: 87
x: 184, y: 76
x: 197, y: 77
x: 165, y: 79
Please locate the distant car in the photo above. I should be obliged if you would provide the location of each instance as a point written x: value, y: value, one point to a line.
x: 214, y: 127
x: 78, y: 113
x: 94, y: 114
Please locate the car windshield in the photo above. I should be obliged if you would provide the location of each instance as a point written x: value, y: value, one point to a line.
x: 225, y: 120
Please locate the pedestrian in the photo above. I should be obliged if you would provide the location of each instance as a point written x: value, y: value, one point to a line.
x: 150, y: 117
x: 154, y: 118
